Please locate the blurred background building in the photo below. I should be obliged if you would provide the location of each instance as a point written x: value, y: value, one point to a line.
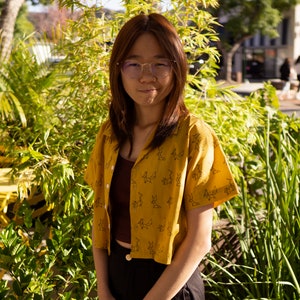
x: 260, y: 56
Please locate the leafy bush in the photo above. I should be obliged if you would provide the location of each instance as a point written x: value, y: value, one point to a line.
x: 256, y: 251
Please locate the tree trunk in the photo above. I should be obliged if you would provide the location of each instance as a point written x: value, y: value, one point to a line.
x: 230, y: 55
x: 8, y: 18
x: 228, y: 58
x: 229, y: 66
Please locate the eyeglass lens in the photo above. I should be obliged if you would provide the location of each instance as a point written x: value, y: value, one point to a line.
x: 159, y: 69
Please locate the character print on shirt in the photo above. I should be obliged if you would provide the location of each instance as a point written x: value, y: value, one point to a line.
x: 101, y: 225
x: 197, y: 174
x: 169, y: 179
x: 97, y: 202
x: 139, y: 202
x: 161, y: 227
x: 148, y: 178
x: 135, y: 246
x: 133, y: 183
x: 210, y: 195
x: 175, y: 155
x: 154, y: 202
x: 99, y: 181
x: 144, y: 224
x: 160, y: 155
x: 195, y: 141
x: 230, y: 187
x: 178, y: 179
x: 170, y: 201
x: 160, y: 250
x: 151, y: 248
x: 215, y: 171
x: 169, y: 229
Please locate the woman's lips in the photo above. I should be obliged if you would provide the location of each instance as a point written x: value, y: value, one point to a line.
x: 146, y: 91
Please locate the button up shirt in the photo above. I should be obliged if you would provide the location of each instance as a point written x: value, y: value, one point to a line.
x: 187, y: 171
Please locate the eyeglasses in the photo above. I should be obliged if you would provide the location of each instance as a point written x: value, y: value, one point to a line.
x: 160, y: 68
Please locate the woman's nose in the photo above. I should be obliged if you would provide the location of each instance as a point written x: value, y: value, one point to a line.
x: 147, y: 72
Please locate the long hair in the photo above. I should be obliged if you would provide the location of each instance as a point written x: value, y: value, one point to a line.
x: 121, y: 112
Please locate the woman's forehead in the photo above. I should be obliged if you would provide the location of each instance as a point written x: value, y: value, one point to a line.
x: 146, y: 46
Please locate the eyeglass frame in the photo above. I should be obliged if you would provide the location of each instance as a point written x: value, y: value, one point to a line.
x: 141, y: 66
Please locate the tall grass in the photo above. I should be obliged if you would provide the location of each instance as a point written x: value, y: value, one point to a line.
x: 257, y: 254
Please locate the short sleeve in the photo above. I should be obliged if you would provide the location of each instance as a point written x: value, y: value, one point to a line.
x: 94, y: 178
x: 209, y: 178
x: 91, y: 175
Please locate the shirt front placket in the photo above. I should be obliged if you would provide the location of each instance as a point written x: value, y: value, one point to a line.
x: 110, y: 159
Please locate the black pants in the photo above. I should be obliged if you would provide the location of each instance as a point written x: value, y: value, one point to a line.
x: 131, y: 280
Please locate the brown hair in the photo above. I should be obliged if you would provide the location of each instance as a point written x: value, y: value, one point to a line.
x: 121, y: 111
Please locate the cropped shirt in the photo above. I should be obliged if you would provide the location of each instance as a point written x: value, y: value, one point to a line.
x: 187, y: 171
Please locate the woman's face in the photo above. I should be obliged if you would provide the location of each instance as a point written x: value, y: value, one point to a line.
x: 147, y: 74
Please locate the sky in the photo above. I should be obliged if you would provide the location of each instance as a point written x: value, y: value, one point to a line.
x: 116, y: 4
x: 110, y: 4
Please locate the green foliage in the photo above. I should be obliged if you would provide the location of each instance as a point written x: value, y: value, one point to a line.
x: 23, y: 26
x: 259, y: 253
x: 22, y: 85
x: 43, y: 265
x: 52, y: 114
x: 252, y: 17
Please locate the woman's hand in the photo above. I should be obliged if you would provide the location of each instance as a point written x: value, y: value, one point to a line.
x: 100, y: 261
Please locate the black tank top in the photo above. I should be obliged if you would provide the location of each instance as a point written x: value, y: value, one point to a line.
x: 119, y: 200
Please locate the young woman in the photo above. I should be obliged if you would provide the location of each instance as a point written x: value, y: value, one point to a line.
x: 285, y: 76
x: 156, y: 170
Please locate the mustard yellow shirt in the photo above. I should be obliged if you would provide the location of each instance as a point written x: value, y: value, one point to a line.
x: 188, y: 170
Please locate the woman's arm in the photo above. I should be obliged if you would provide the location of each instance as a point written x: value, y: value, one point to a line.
x: 188, y: 256
x: 100, y: 261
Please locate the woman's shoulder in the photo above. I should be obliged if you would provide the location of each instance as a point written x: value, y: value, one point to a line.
x: 196, y: 123
x: 105, y: 128
x: 106, y: 124
x: 105, y: 131
x: 197, y: 133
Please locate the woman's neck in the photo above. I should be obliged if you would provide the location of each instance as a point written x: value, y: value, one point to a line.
x: 148, y: 116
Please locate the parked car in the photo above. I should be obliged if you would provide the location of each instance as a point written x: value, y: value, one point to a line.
x: 255, y: 69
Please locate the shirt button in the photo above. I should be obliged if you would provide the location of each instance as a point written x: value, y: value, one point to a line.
x: 112, y: 168
x: 107, y: 186
x: 128, y: 257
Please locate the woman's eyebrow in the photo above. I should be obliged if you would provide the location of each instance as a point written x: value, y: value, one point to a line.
x: 135, y: 56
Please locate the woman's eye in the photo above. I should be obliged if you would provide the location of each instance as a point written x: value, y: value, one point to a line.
x: 163, y: 63
x: 132, y: 64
